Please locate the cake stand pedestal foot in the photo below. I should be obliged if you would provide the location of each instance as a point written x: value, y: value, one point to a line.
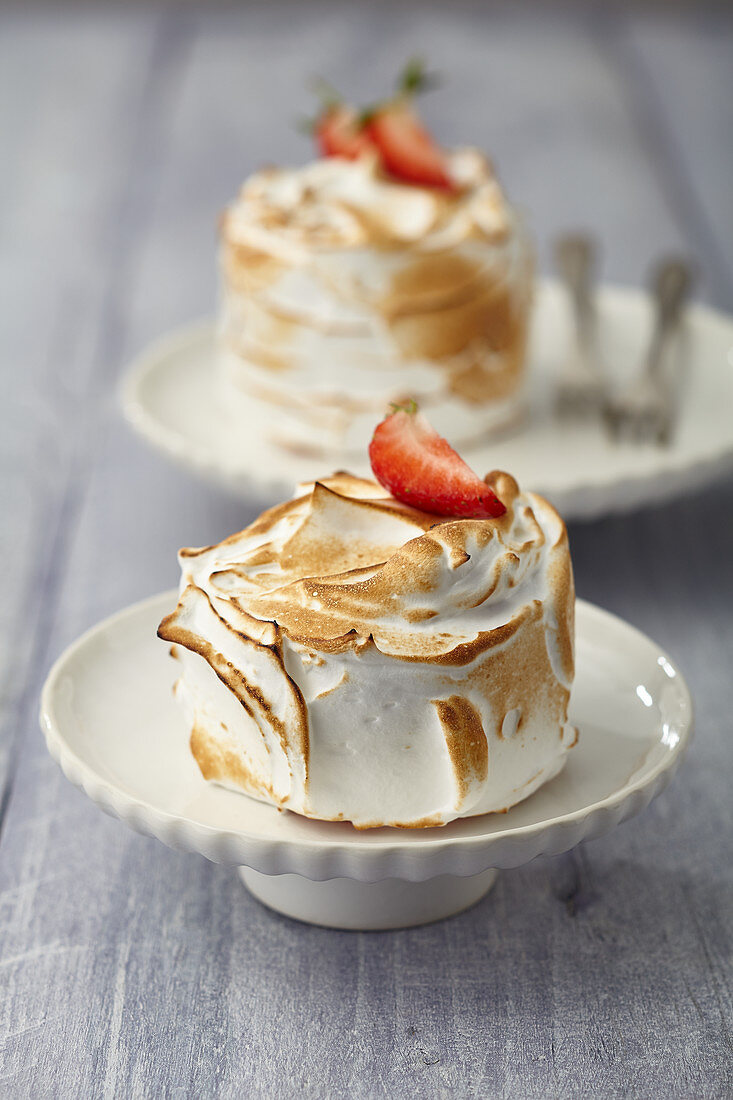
x: 367, y: 906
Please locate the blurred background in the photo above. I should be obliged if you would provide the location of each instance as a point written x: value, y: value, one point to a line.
x: 125, y: 129
x: 128, y: 126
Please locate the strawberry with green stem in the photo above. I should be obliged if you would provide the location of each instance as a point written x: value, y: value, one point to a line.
x: 390, y: 128
x: 338, y: 129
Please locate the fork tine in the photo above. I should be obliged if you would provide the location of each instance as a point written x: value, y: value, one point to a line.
x: 645, y: 413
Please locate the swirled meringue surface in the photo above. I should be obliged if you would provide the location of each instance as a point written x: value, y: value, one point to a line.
x: 335, y: 203
x: 343, y: 290
x: 351, y: 658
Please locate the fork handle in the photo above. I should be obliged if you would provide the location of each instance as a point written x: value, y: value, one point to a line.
x: 672, y: 282
x: 575, y: 256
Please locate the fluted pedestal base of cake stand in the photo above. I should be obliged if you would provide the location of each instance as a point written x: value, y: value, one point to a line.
x: 112, y: 723
x: 368, y: 906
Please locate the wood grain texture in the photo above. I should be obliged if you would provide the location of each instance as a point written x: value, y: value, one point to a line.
x: 130, y: 970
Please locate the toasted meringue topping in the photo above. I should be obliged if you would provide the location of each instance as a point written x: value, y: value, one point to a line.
x: 343, y: 290
x: 343, y: 561
x: 352, y: 658
x: 335, y: 203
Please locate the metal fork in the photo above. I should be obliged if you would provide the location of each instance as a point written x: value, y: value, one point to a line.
x: 580, y: 388
x: 645, y: 413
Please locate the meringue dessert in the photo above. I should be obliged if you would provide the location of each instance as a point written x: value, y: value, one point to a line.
x: 350, y: 657
x: 386, y: 267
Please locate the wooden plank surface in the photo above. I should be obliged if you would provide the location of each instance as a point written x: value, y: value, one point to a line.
x: 130, y: 970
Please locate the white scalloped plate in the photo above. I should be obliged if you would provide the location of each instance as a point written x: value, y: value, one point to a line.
x: 171, y: 398
x: 110, y: 721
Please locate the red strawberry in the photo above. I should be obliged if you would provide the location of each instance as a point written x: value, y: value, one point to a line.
x: 421, y: 468
x: 408, y: 151
x: 340, y: 134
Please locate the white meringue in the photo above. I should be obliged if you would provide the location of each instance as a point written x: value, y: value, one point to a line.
x: 350, y: 658
x: 344, y: 290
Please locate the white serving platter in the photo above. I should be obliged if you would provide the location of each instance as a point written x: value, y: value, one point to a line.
x: 171, y: 397
x: 110, y: 720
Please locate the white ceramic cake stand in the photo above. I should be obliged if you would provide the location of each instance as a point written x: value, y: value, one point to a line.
x: 171, y: 397
x: 111, y: 722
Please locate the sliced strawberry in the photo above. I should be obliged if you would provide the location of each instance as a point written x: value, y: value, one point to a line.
x: 408, y: 151
x: 421, y: 468
x: 340, y: 134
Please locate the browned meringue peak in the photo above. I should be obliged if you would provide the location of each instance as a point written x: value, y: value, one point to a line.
x: 344, y: 562
x: 282, y: 717
x: 332, y: 203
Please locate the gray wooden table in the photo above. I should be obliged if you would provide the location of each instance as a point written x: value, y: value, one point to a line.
x: 127, y: 969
